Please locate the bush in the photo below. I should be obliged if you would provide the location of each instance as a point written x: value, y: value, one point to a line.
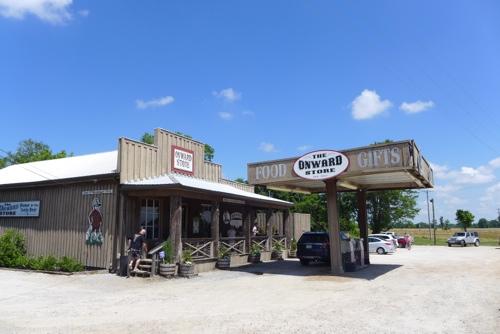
x: 187, y: 258
x: 12, y: 248
x: 70, y: 265
x: 13, y: 255
x: 168, y: 249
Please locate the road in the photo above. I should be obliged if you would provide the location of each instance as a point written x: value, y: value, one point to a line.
x: 425, y: 290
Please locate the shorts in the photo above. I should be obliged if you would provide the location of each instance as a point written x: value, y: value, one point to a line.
x: 135, y: 253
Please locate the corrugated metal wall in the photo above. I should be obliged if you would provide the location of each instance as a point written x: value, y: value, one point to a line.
x: 212, y: 172
x: 60, y: 229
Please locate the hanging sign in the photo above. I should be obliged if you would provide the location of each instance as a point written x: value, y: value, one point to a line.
x: 20, y: 209
x: 320, y: 165
x: 182, y: 160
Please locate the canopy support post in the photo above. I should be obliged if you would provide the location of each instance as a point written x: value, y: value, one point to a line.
x: 333, y: 227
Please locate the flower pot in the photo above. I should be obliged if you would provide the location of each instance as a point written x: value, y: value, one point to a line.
x: 277, y: 255
x: 224, y: 263
x: 292, y: 253
x: 167, y: 269
x: 186, y: 269
x: 254, y: 258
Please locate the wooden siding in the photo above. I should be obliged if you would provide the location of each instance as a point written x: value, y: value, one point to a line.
x: 301, y: 224
x: 212, y: 172
x: 60, y: 229
x: 137, y: 161
x: 164, y: 140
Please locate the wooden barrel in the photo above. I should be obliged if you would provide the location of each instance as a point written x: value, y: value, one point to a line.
x: 224, y: 263
x: 254, y: 258
x: 186, y: 270
x: 167, y: 269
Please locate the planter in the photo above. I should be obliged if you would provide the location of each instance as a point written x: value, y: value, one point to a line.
x: 224, y: 263
x: 167, y: 269
x: 254, y: 258
x: 277, y: 255
x: 186, y: 270
x: 292, y: 253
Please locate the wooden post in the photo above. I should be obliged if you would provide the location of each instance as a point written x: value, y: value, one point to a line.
x: 288, y: 221
x: 363, y: 221
x: 117, y: 237
x: 333, y: 227
x: 176, y: 226
x: 249, y: 221
x: 215, y: 228
x: 269, y: 227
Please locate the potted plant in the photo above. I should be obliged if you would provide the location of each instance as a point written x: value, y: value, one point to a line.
x: 186, y: 267
x: 224, y: 258
x: 168, y: 266
x: 277, y: 253
x: 293, y: 248
x: 254, y: 256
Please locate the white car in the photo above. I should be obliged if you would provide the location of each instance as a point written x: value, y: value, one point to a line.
x: 380, y: 246
x: 388, y: 237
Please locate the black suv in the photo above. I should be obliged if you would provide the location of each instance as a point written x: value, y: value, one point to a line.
x: 315, y: 246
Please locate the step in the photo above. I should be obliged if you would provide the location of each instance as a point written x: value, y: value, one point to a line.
x: 145, y: 266
x: 140, y: 272
x: 146, y: 261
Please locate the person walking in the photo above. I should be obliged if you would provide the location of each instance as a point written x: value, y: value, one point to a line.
x: 408, y: 240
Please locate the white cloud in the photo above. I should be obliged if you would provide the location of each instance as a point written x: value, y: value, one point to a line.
x: 52, y: 11
x: 368, y: 105
x: 465, y: 175
x: 226, y: 115
x: 491, y: 197
x: 155, y: 103
x: 416, y: 107
x: 228, y: 95
x: 303, y: 148
x: 267, y: 147
x: 495, y: 163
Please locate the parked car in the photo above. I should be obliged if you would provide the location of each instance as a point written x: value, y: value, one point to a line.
x: 389, y: 233
x: 464, y: 238
x: 380, y: 246
x: 386, y: 237
x: 315, y: 246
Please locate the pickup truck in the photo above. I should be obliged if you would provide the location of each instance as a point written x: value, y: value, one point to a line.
x: 464, y: 238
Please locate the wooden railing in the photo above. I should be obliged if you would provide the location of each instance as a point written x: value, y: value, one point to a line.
x: 261, y: 241
x: 280, y: 239
x: 234, y: 245
x: 200, y: 248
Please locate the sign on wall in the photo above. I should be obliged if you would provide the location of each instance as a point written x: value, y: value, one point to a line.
x: 94, y: 233
x: 20, y: 209
x: 320, y: 165
x: 182, y: 160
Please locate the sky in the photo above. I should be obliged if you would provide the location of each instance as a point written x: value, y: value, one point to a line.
x: 262, y: 80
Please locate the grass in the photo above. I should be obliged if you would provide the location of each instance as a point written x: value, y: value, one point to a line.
x: 488, y: 236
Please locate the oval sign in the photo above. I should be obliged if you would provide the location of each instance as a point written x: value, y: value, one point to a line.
x: 320, y: 165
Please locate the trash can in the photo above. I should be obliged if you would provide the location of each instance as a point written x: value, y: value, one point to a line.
x: 122, y: 270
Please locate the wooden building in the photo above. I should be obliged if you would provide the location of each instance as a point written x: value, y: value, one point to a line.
x: 86, y: 206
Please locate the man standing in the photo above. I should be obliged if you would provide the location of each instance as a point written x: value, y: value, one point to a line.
x: 135, y: 247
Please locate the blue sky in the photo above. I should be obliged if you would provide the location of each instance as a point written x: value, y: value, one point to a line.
x: 262, y: 80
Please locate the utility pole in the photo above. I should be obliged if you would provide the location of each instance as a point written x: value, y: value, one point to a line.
x: 433, y: 220
x: 429, y: 215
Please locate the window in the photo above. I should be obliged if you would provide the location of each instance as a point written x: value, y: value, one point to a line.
x: 150, y: 217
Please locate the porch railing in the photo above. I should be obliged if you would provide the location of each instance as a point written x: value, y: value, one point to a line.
x: 280, y: 239
x: 261, y: 241
x: 234, y: 245
x: 200, y: 248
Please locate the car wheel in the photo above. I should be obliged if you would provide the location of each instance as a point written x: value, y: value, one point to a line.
x: 304, y: 262
x: 476, y: 243
x: 449, y: 245
x: 463, y: 243
x: 380, y: 250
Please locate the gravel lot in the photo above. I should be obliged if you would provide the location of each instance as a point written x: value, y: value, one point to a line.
x: 425, y: 290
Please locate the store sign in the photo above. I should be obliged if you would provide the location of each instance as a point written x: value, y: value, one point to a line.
x: 182, y: 160
x: 320, y: 165
x: 20, y: 209
x: 97, y: 192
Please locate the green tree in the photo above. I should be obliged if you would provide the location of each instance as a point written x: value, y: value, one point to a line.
x: 3, y: 163
x: 209, y: 152
x: 389, y: 207
x: 482, y: 223
x: 441, y: 222
x: 464, y: 218
x: 29, y: 150
x: 447, y: 224
x: 148, y: 138
x: 241, y: 180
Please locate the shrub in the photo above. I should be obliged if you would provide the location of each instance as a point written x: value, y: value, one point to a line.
x: 224, y: 252
x: 12, y: 248
x: 255, y: 250
x: 168, y: 249
x: 70, y: 265
x: 277, y: 247
x: 293, y: 245
x: 187, y: 258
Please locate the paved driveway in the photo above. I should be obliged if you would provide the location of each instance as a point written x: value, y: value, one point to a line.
x: 425, y: 290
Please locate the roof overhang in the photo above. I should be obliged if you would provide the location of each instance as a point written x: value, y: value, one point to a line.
x: 394, y: 165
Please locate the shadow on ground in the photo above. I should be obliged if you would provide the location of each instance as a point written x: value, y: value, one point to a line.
x: 294, y: 268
